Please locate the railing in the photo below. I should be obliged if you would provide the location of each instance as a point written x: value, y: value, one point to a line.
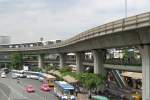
x: 131, y: 62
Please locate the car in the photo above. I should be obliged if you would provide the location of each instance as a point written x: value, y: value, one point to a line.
x: 30, y: 89
x: 64, y: 97
x: 23, y: 76
x: 41, y: 79
x: 14, y: 76
x: 97, y: 97
x: 6, y: 70
x: 18, y: 74
x: 28, y: 76
x: 3, y: 75
x: 45, y: 87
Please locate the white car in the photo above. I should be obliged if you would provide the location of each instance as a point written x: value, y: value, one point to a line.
x: 3, y: 75
x: 28, y: 76
x: 14, y: 76
x: 41, y: 79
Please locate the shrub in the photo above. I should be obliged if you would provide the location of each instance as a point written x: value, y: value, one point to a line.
x: 36, y: 69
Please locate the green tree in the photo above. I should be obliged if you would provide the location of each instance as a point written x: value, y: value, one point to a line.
x: 17, y: 60
x: 90, y: 80
x: 36, y: 69
x: 50, y: 67
x: 94, y: 81
x: 65, y: 69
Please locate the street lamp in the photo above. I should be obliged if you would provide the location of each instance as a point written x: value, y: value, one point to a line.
x: 126, y: 8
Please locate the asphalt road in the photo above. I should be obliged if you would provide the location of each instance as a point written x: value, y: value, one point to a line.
x: 18, y: 90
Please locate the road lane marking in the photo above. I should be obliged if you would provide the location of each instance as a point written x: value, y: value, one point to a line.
x: 43, y: 94
x: 22, y: 87
x: 37, y: 95
x: 4, y: 94
x: 19, y: 93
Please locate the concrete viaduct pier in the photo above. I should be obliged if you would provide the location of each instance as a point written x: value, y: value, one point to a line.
x: 145, y: 51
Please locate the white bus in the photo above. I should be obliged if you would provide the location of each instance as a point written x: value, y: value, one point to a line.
x: 19, y: 73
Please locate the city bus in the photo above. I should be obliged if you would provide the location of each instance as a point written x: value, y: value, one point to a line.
x: 64, y: 90
x: 19, y: 73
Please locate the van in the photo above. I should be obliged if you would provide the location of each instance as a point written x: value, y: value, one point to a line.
x: 3, y: 75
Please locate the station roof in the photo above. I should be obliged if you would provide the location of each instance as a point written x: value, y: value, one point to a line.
x: 133, y: 75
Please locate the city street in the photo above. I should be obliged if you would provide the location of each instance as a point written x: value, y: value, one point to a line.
x: 18, y: 90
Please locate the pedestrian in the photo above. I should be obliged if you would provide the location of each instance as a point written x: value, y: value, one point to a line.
x: 89, y: 94
x: 72, y: 97
x: 18, y: 80
x: 76, y: 91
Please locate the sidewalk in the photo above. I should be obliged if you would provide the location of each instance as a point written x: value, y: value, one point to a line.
x: 82, y: 96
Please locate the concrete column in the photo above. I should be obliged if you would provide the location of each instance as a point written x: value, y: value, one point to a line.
x: 98, y: 56
x: 62, y: 59
x: 145, y: 52
x: 79, y: 61
x: 40, y: 61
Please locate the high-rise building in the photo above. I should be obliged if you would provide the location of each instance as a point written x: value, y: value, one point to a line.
x: 4, y: 40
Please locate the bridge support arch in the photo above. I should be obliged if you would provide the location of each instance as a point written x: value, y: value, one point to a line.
x: 98, y: 56
x: 145, y: 52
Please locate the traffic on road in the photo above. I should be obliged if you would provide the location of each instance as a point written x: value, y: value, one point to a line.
x: 28, y: 85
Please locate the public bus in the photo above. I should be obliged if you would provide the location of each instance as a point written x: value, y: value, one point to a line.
x: 64, y: 90
x: 19, y: 73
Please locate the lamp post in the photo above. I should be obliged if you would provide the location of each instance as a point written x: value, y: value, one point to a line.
x: 126, y: 9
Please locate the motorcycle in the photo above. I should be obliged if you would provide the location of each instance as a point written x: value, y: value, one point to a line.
x: 18, y: 81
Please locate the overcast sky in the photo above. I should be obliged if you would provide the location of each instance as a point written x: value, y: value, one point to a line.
x: 28, y: 20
